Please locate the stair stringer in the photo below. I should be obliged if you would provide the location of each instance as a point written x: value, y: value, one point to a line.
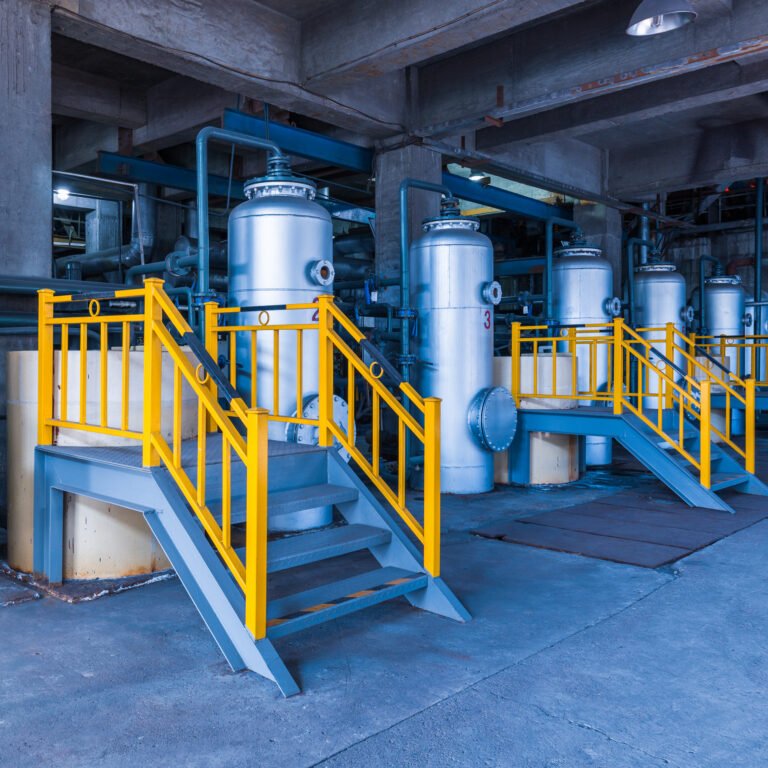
x: 638, y: 439
x: 400, y: 552
x: 154, y: 494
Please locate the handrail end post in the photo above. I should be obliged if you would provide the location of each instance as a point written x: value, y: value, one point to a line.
x: 45, y: 354
x: 432, y: 485
x: 257, y: 462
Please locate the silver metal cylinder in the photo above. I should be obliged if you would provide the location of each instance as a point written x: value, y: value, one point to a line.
x: 451, y: 279
x: 276, y: 239
x: 659, y: 299
x: 280, y: 252
x: 583, y: 287
x: 724, y: 301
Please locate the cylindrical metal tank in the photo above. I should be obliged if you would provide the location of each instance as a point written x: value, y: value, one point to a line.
x: 454, y: 294
x: 280, y: 252
x: 582, y: 284
x: 659, y: 299
x: 724, y: 302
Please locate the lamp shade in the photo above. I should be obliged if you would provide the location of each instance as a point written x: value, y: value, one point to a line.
x: 653, y: 17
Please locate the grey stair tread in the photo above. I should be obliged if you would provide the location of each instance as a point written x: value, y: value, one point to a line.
x: 304, y: 609
x: 321, y: 545
x: 722, y: 480
x: 292, y: 500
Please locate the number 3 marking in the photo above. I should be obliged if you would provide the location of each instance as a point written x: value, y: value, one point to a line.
x: 487, y: 319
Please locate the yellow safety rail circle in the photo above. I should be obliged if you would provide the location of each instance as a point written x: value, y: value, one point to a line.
x: 94, y: 308
x: 262, y: 315
x: 204, y: 378
x: 372, y: 369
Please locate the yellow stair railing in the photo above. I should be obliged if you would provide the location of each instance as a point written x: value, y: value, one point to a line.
x: 64, y: 375
x: 263, y: 334
x: 641, y: 376
x: 744, y: 355
x: 157, y: 322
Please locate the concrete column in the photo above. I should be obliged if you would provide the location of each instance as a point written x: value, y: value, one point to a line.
x: 392, y: 167
x: 25, y: 135
x: 25, y: 189
x: 602, y: 228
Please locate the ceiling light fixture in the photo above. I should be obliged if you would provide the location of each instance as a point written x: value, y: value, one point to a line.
x: 61, y: 194
x: 653, y: 17
x: 480, y: 178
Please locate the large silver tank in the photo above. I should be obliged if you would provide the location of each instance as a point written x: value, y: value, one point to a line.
x: 660, y: 298
x: 724, y: 303
x: 582, y: 286
x: 280, y: 252
x: 454, y: 293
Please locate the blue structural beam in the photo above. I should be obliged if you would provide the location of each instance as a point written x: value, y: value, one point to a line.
x: 296, y: 141
x: 494, y: 197
x: 138, y: 170
x: 521, y: 266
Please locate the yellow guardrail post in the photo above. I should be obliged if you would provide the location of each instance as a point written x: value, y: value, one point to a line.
x: 45, y: 366
x: 325, y: 357
x: 705, y: 441
x: 432, y: 485
x: 257, y: 461
x: 670, y: 354
x: 514, y: 348
x: 153, y: 370
x: 618, y: 365
x: 212, y: 348
x: 750, y: 425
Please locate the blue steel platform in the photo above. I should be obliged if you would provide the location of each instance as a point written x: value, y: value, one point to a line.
x: 300, y: 477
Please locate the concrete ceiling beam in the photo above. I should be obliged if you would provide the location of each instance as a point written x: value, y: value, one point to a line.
x: 177, y: 109
x: 98, y: 99
x: 718, y: 155
x: 367, y: 37
x: 238, y: 46
x: 582, y: 57
x: 721, y: 83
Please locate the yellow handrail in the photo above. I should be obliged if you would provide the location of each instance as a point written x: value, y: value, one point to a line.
x: 332, y: 348
x: 669, y: 378
x: 159, y: 311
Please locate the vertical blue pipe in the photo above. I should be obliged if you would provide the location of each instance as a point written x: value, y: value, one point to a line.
x: 201, y: 150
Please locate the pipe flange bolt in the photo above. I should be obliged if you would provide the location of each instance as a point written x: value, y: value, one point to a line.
x: 613, y: 306
x: 406, y: 313
x: 322, y: 272
x: 492, y: 293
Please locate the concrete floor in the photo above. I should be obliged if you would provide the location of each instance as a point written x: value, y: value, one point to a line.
x: 568, y: 662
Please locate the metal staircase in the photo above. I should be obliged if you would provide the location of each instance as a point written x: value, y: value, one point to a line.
x: 657, y: 401
x: 211, y: 500
x: 653, y: 452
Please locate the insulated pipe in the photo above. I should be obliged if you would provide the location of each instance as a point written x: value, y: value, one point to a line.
x: 201, y: 148
x: 549, y: 234
x: 645, y: 234
x: 31, y: 285
x: 405, y: 264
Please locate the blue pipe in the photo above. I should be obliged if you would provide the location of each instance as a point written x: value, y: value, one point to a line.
x: 405, y: 266
x: 201, y: 147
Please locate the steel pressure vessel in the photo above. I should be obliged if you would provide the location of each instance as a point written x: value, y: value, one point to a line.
x: 660, y: 298
x: 724, y: 302
x: 582, y: 286
x: 454, y: 294
x: 280, y: 252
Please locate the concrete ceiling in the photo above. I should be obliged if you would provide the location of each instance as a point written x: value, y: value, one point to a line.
x: 513, y: 82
